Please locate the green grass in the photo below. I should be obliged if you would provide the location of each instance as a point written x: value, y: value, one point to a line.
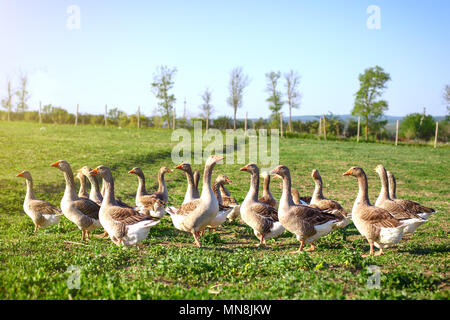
x: 229, y: 266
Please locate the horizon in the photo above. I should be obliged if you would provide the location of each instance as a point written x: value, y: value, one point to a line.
x: 111, y: 58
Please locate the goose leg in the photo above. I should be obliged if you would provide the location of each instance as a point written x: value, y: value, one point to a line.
x: 371, y: 250
x: 379, y: 253
x: 302, y: 242
x: 312, y: 248
x: 262, y: 242
x: 83, y: 235
x: 102, y: 235
x: 36, y: 228
x: 197, y: 242
x: 87, y: 235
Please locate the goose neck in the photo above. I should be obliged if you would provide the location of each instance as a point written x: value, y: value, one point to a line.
x: 318, y: 195
x: 30, y: 192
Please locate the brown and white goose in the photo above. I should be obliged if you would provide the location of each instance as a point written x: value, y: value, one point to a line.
x: 196, y: 215
x: 151, y: 203
x: 196, y: 178
x: 408, y: 218
x: 267, y: 196
x: 125, y: 226
x: 412, y: 206
x: 43, y: 213
x: 81, y: 211
x: 261, y: 217
x: 192, y: 188
x: 377, y: 225
x: 82, y: 192
x: 308, y: 224
x: 229, y: 201
x: 331, y: 206
x: 224, y: 211
x: 94, y: 194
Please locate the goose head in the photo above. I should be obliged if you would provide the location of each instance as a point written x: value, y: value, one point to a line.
x: 101, y: 171
x: 222, y: 179
x: 186, y: 167
x: 315, y: 174
x: 379, y: 169
x: 165, y: 170
x: 24, y: 174
x: 354, y: 171
x: 137, y: 171
x: 61, y: 165
x: 281, y: 171
x: 251, y: 168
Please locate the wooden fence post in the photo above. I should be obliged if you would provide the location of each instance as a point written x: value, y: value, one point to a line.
x: 76, y: 116
x: 173, y: 119
x: 396, y: 134
x: 436, y: 134
x: 106, y: 111
x: 139, y: 117
x: 324, y: 128
x: 281, y: 123
x: 245, y: 125
x: 359, y: 124
x: 319, y: 133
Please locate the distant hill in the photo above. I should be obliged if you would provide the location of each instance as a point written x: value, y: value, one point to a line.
x: 346, y: 117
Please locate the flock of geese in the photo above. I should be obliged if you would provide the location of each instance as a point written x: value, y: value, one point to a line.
x: 309, y: 218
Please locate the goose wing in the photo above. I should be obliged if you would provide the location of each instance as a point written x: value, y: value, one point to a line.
x: 87, y: 207
x: 265, y: 210
x: 44, y: 207
x: 379, y: 217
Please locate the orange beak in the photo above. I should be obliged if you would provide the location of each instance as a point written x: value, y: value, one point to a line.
x: 228, y: 180
x: 244, y: 168
x: 168, y: 170
x: 93, y: 172
x: 219, y: 158
x: 348, y: 172
x: 132, y: 171
x: 179, y: 166
x: 55, y: 164
x: 19, y: 174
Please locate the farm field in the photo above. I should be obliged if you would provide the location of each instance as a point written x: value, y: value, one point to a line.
x: 229, y: 265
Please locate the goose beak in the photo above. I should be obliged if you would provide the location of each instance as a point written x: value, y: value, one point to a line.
x: 131, y: 171
x: 55, y: 164
x: 219, y: 158
x: 19, y: 174
x: 93, y: 172
x: 348, y: 172
x: 228, y: 180
x: 169, y: 170
x: 179, y: 166
x: 245, y: 168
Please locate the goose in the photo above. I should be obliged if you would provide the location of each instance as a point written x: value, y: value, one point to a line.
x: 229, y: 201
x: 151, y: 203
x: 195, y: 216
x: 408, y: 218
x: 421, y: 211
x: 308, y: 224
x: 82, y: 193
x: 295, y: 194
x: 267, y: 197
x: 43, y: 213
x: 377, y: 225
x: 261, y: 217
x: 126, y: 227
x: 192, y: 187
x: 196, y: 178
x: 224, y: 211
x: 81, y: 211
x: 94, y: 194
x: 331, y: 206
x: 118, y: 200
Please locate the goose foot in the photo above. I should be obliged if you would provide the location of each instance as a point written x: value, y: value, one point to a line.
x: 102, y: 235
x: 299, y: 249
x: 196, y: 242
x: 312, y: 248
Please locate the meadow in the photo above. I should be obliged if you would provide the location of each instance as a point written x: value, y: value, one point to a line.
x: 229, y: 265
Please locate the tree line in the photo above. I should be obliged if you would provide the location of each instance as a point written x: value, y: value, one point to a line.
x: 368, y: 105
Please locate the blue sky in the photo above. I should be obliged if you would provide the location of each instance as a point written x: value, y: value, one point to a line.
x: 112, y: 57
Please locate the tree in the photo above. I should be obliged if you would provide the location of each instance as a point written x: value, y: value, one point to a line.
x: 6, y: 103
x: 161, y: 85
x: 238, y: 82
x: 206, y: 106
x: 275, y: 102
x: 292, y: 94
x: 22, y: 94
x: 367, y: 104
x: 417, y: 126
x: 446, y: 97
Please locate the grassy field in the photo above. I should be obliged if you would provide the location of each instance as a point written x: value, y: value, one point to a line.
x: 229, y: 266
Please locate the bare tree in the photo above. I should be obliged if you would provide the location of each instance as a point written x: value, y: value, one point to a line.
x: 161, y: 85
x: 236, y: 86
x: 6, y: 103
x: 206, y: 107
x: 292, y: 93
x: 446, y: 97
x: 22, y: 94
